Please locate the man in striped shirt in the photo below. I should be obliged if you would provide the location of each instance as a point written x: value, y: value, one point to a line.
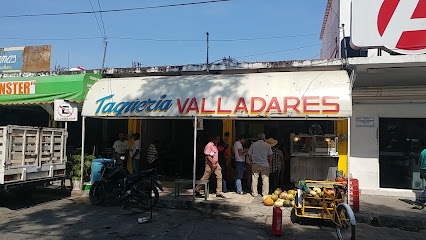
x: 152, y: 155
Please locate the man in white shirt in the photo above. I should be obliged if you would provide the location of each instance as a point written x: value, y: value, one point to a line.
x: 121, y: 147
x: 135, y: 153
x: 239, y: 153
x: 260, y: 154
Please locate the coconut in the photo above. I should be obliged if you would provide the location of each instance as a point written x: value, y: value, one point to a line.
x: 274, y: 197
x: 283, y: 195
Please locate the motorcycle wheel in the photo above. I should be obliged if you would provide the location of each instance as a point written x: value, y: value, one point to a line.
x: 147, y: 196
x: 97, y: 194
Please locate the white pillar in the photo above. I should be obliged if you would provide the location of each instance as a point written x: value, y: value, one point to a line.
x: 83, y: 128
x: 348, y: 159
x: 195, y: 157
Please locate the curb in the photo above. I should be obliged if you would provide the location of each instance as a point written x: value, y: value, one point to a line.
x: 210, y: 206
x: 404, y: 223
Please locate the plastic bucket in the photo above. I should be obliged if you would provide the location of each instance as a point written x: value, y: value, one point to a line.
x: 96, y: 168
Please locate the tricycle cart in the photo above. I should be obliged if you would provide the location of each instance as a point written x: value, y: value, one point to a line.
x: 325, y: 200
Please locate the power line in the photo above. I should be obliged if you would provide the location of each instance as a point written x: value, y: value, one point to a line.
x: 332, y: 45
x: 97, y: 22
x: 113, y: 10
x: 102, y: 19
x: 163, y: 40
x: 283, y: 50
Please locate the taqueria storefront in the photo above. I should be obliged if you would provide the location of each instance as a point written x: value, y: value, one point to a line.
x: 308, y: 110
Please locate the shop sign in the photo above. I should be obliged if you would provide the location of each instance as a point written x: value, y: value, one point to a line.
x: 302, y: 94
x: 398, y: 25
x: 17, y: 87
x: 25, y: 59
x: 365, y: 122
x: 284, y: 106
x: 65, y: 111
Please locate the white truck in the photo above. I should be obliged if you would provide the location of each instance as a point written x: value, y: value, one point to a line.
x: 31, y: 156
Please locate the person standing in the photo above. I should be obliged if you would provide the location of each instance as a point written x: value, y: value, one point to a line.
x: 135, y: 153
x: 421, y: 200
x: 276, y: 165
x: 121, y: 149
x: 212, y: 165
x: 260, y: 154
x: 239, y: 153
x: 152, y: 155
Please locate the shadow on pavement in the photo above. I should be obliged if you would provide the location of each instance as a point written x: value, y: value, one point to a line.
x: 18, y: 200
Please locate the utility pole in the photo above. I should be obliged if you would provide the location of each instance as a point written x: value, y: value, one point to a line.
x: 207, y: 33
x: 105, y: 49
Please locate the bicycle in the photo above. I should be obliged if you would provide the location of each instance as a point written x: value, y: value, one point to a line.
x: 331, y: 206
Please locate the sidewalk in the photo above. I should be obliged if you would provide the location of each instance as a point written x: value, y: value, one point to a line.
x: 380, y: 211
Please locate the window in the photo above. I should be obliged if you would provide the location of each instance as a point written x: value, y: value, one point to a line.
x: 401, y: 141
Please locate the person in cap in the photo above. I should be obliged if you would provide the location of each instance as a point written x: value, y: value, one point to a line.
x: 121, y: 148
x: 276, y: 165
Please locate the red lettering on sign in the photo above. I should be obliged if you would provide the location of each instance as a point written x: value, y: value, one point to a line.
x: 9, y: 88
x: 2, y: 88
x: 336, y: 106
x: 420, y: 11
x: 14, y: 87
x: 180, y: 107
x: 385, y: 14
x: 273, y: 105
x: 26, y: 88
x: 412, y: 40
x: 219, y: 110
x: 292, y: 106
x: 257, y: 99
x: 193, y: 106
x: 409, y: 40
x: 238, y: 107
x: 306, y: 104
x: 203, y: 111
x: 20, y: 87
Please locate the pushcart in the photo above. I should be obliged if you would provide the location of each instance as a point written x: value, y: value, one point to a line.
x: 329, y: 203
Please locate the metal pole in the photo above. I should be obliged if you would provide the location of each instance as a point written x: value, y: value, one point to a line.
x: 105, y: 49
x: 66, y: 125
x: 83, y: 128
x: 207, y: 33
x: 348, y: 159
x: 195, y: 157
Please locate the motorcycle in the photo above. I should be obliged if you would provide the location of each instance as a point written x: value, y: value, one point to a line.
x: 139, y: 188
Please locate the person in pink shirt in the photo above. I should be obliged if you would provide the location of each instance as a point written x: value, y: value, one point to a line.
x: 212, y: 165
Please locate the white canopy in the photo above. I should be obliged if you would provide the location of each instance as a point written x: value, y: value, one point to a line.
x: 314, y: 94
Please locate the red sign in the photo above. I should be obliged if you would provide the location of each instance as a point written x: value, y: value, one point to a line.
x: 397, y: 25
x: 409, y: 40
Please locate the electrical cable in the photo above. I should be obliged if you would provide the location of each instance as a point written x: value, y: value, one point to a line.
x: 97, y: 22
x: 163, y: 40
x: 113, y: 10
x: 102, y: 19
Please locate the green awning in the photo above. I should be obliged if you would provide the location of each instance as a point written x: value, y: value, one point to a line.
x: 37, y: 90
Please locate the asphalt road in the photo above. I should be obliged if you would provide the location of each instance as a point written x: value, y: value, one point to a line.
x: 52, y: 215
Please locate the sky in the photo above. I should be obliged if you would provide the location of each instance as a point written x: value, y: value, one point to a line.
x: 246, y: 30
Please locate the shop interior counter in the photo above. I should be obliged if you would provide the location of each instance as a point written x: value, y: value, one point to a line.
x: 313, y: 157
